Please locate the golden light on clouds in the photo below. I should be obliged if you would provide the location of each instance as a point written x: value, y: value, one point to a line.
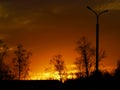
x: 109, y: 5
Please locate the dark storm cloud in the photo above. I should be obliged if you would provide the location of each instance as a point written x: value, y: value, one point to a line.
x: 20, y: 15
x: 26, y: 11
x: 17, y: 15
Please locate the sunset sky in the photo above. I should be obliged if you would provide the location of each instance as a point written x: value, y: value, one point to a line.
x: 50, y: 27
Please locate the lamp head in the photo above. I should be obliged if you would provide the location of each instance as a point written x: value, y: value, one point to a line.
x: 88, y: 7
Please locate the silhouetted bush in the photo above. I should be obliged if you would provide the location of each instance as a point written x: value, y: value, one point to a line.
x: 117, y: 71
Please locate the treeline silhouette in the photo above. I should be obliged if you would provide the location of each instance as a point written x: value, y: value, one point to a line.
x: 101, y: 82
x: 18, y: 67
x: 15, y: 75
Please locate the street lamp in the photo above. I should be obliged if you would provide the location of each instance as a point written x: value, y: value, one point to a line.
x: 97, y: 34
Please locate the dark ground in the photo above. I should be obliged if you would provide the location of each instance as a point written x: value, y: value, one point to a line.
x: 82, y: 84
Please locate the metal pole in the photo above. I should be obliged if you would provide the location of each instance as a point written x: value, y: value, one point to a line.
x: 97, y: 44
x: 97, y: 35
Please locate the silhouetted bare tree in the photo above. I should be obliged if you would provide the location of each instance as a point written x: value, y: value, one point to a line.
x: 87, y: 53
x: 58, y: 65
x: 102, y: 55
x: 3, y: 53
x: 87, y: 56
x: 80, y: 67
x: 7, y: 73
x: 21, y: 62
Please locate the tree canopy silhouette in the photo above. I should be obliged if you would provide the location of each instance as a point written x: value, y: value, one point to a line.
x: 87, y: 56
x: 58, y: 65
x: 21, y: 62
x: 3, y: 54
x: 87, y: 53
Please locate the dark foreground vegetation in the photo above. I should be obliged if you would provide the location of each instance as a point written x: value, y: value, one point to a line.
x: 94, y: 82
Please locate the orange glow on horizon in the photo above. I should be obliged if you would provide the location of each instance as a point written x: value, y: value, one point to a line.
x: 70, y: 74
